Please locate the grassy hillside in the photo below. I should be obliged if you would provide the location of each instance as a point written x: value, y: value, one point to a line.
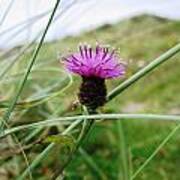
x: 111, y: 146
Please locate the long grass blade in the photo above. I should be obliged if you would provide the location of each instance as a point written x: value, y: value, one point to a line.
x: 43, y: 154
x: 91, y: 163
x: 164, y: 142
x: 57, y: 121
x: 7, y: 115
x: 6, y: 12
x: 144, y: 71
x: 122, y: 144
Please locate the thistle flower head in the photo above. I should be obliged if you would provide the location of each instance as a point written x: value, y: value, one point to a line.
x: 99, y: 62
x: 94, y: 65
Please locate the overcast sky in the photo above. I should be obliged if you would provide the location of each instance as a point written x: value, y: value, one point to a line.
x: 30, y: 16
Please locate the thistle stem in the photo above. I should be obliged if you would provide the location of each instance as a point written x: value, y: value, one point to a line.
x: 81, y: 138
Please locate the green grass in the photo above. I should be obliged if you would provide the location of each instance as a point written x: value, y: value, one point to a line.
x: 140, y: 40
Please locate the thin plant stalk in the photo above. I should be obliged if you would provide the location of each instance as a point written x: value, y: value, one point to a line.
x: 6, y: 12
x: 78, y: 144
x: 169, y: 136
x: 123, y: 151
x: 89, y: 161
x: 102, y: 117
x: 7, y: 115
x: 43, y: 154
x: 150, y: 67
x: 87, y: 125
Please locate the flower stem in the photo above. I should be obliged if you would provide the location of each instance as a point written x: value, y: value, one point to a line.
x: 83, y: 135
x: 151, y: 66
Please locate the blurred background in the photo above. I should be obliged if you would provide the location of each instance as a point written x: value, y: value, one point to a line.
x: 141, y: 31
x: 21, y: 21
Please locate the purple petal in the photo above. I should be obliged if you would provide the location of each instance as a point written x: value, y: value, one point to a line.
x: 99, y: 62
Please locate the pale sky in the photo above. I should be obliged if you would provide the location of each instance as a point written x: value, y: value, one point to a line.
x: 82, y: 16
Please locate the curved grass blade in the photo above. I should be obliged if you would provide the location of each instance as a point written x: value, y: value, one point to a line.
x: 7, y: 115
x: 44, y: 153
x: 103, y: 117
x: 34, y: 101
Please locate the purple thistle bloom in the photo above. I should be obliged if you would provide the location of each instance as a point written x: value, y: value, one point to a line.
x: 98, y: 62
x: 94, y: 66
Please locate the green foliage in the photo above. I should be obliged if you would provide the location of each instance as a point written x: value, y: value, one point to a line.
x: 140, y: 41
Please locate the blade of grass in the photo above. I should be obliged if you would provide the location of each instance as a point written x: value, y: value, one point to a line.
x: 15, y: 59
x: 33, y: 134
x: 91, y: 163
x: 123, y: 150
x: 26, y: 22
x: 6, y: 12
x: 23, y: 154
x: 36, y: 161
x: 44, y: 153
x: 7, y: 115
x: 38, y: 130
x: 34, y: 101
x: 18, y: 143
x: 57, y: 121
x: 144, y: 71
x: 169, y: 136
x: 19, y: 28
x: 87, y: 126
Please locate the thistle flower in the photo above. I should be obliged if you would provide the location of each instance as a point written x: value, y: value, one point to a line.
x: 94, y: 66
